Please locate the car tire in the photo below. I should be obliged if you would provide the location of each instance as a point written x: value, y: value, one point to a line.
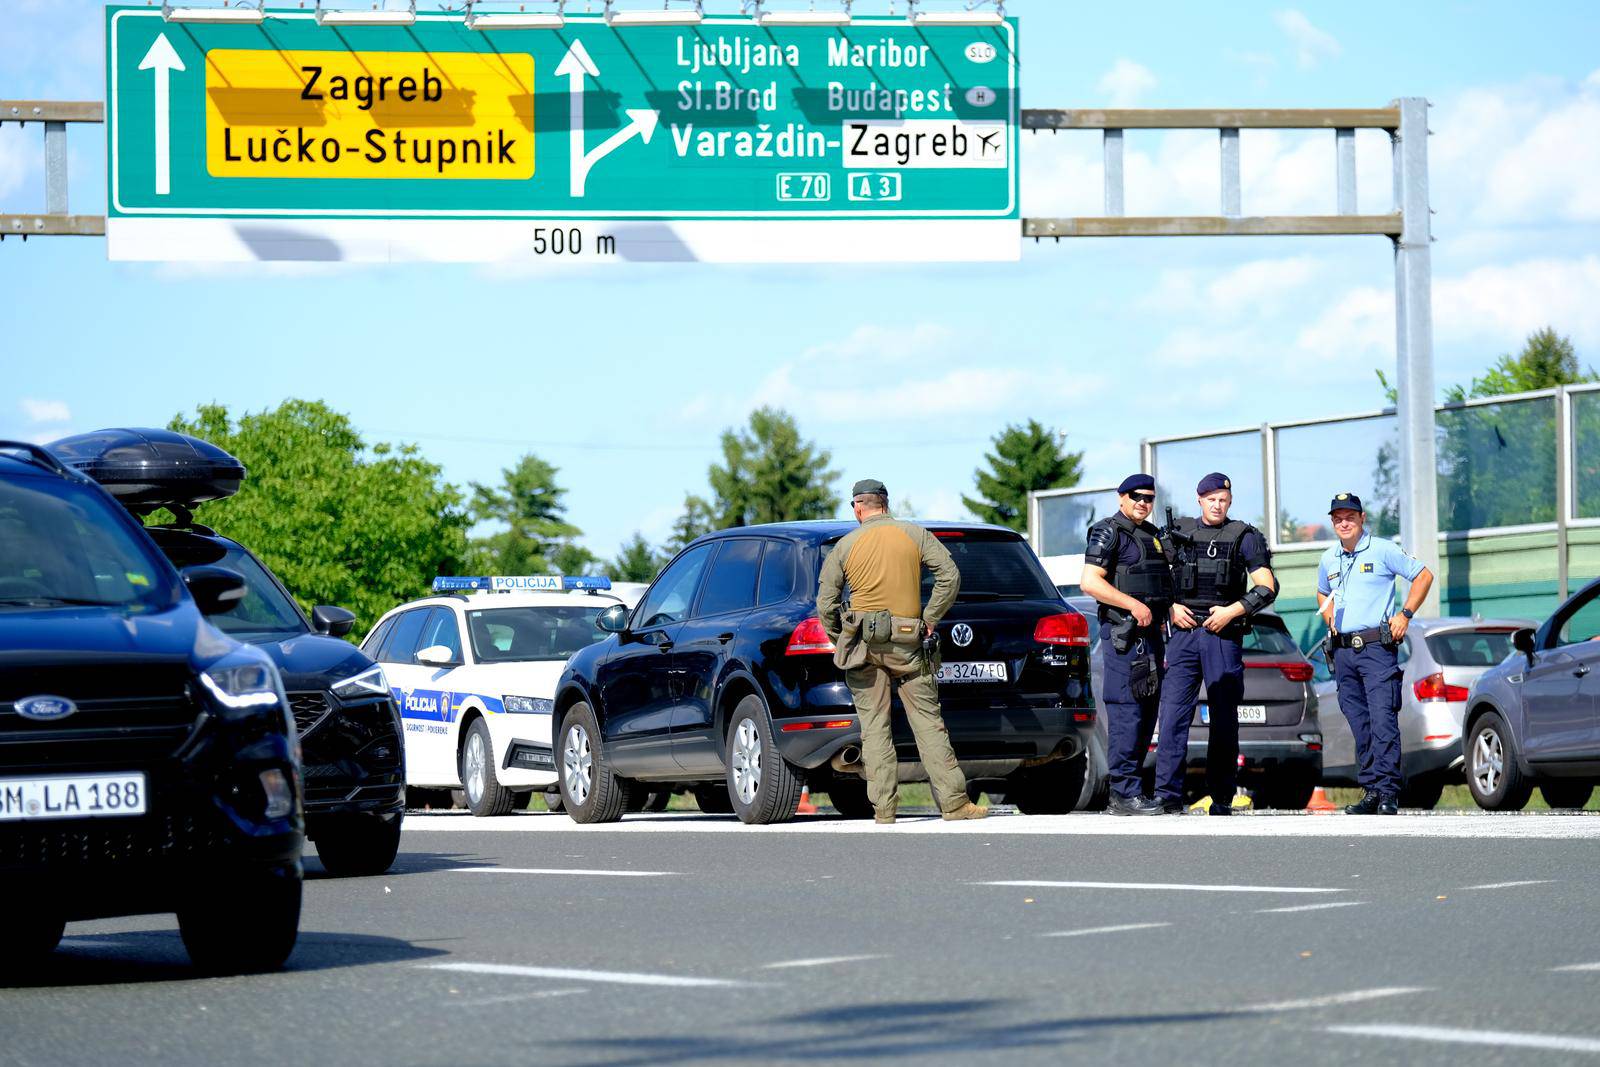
x: 1493, y: 777
x: 1422, y: 792
x: 1055, y: 788
x: 1566, y: 795
x: 485, y: 795
x: 763, y: 787
x: 849, y: 798
x: 243, y: 923
x: 658, y: 801
x: 1097, y: 783
x: 1286, y: 792
x: 712, y: 798
x: 358, y: 844
x: 590, y: 791
x: 553, y: 802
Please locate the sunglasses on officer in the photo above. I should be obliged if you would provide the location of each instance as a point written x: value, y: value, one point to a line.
x: 1142, y: 498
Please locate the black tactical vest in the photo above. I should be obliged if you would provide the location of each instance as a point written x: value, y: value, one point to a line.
x: 1150, y: 579
x: 1211, y: 567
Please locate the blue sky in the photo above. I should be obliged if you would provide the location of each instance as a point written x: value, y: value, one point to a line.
x: 624, y: 376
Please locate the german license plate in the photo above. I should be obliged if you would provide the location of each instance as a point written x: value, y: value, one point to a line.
x: 1249, y: 715
x: 72, y: 797
x: 972, y: 672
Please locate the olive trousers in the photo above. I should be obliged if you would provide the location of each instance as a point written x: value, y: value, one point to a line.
x: 891, y: 668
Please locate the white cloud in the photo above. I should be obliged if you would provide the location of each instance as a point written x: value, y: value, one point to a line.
x: 45, y: 410
x: 1256, y: 283
x: 1311, y: 45
x: 1126, y: 83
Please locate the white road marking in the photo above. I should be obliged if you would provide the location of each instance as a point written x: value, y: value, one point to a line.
x: 1575, y: 967
x: 1502, y: 1038
x: 568, y: 974
x: 516, y: 998
x: 1333, y: 1000
x: 1164, y: 885
x: 1480, y: 826
x: 1106, y: 930
x: 1311, y: 907
x: 1512, y: 885
x: 562, y: 870
x: 819, y: 961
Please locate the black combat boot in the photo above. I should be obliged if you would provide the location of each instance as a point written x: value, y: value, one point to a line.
x: 1134, y: 806
x: 1367, y: 805
x: 1389, y: 806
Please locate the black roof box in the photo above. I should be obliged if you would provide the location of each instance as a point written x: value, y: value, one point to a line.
x: 147, y: 469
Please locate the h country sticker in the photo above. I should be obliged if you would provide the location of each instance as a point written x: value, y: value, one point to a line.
x: 330, y: 114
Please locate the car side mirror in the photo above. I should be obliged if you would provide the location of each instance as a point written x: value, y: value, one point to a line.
x: 335, y: 622
x: 1522, y: 641
x: 613, y: 620
x: 216, y: 590
x: 437, y: 656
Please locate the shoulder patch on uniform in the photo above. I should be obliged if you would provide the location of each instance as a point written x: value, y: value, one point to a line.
x: 1366, y: 568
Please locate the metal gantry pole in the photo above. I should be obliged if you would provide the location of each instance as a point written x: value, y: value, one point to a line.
x: 1413, y: 307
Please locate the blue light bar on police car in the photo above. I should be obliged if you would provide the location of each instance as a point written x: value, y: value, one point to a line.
x: 457, y: 583
x: 586, y: 581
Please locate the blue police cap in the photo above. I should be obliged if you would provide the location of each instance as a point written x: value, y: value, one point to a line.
x: 1134, y: 482
x: 1212, y: 482
x: 1346, y: 502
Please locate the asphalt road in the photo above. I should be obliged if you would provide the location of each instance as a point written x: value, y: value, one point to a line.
x: 1459, y: 939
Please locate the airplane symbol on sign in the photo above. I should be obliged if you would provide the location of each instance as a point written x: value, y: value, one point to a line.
x: 988, y: 142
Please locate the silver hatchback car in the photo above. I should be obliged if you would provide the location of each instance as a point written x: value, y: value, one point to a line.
x: 1440, y: 659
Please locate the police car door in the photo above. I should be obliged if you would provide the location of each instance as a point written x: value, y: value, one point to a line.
x: 399, y: 667
x: 435, y: 698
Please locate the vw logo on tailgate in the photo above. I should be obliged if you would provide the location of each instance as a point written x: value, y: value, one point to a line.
x: 961, y: 634
x: 45, y: 708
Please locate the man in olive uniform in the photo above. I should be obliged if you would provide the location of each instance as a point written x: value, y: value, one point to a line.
x: 880, y: 638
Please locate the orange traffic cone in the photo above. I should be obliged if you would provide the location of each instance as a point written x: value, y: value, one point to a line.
x: 1320, y: 804
x: 805, y: 807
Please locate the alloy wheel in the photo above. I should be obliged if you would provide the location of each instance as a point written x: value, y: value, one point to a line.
x: 1488, y: 762
x: 476, y: 761
x: 577, y: 764
x: 746, y: 761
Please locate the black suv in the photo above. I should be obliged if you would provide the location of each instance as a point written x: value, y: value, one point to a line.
x: 349, y: 729
x: 722, y: 681
x: 146, y: 759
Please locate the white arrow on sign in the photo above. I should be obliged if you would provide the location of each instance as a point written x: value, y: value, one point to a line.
x: 163, y: 60
x: 576, y: 66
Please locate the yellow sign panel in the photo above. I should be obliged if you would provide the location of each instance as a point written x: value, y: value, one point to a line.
x: 460, y: 115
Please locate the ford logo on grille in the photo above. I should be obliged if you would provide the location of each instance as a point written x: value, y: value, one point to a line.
x: 961, y: 634
x: 45, y: 708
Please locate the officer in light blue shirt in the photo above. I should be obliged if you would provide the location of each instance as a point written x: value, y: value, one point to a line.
x: 1355, y: 593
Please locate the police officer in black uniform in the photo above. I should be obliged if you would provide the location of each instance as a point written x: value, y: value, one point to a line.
x: 1223, y: 577
x: 1127, y: 569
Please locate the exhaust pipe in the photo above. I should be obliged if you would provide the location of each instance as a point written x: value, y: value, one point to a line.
x: 848, y: 761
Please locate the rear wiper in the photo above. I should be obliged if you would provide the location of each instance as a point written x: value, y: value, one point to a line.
x: 45, y: 601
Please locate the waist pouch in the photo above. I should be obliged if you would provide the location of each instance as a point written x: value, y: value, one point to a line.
x: 882, y: 628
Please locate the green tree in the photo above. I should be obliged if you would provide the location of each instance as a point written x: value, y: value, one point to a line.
x: 770, y: 474
x: 532, y: 534
x: 636, y: 561
x: 338, y: 522
x: 1547, y: 359
x: 697, y: 518
x: 1025, y: 458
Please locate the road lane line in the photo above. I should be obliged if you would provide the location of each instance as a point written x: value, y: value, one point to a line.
x: 1512, y: 885
x: 1333, y: 1000
x: 563, y: 870
x: 568, y: 974
x: 819, y: 961
x: 1577, y: 967
x: 1502, y: 1038
x: 516, y: 998
x: 1312, y: 907
x: 1163, y: 885
x: 1106, y: 930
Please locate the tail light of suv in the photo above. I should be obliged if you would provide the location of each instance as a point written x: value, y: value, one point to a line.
x: 1294, y: 670
x: 1433, y: 687
x: 1071, y: 628
x: 809, y: 638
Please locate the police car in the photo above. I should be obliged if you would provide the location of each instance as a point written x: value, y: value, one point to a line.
x: 473, y: 671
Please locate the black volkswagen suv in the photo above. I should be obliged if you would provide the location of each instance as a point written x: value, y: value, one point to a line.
x: 146, y: 759
x: 349, y: 729
x: 722, y: 681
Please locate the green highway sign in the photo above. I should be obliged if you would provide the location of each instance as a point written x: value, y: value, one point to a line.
x: 723, y: 141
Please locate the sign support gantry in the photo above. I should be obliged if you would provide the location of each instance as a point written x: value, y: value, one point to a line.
x: 1408, y: 226
x: 54, y: 115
